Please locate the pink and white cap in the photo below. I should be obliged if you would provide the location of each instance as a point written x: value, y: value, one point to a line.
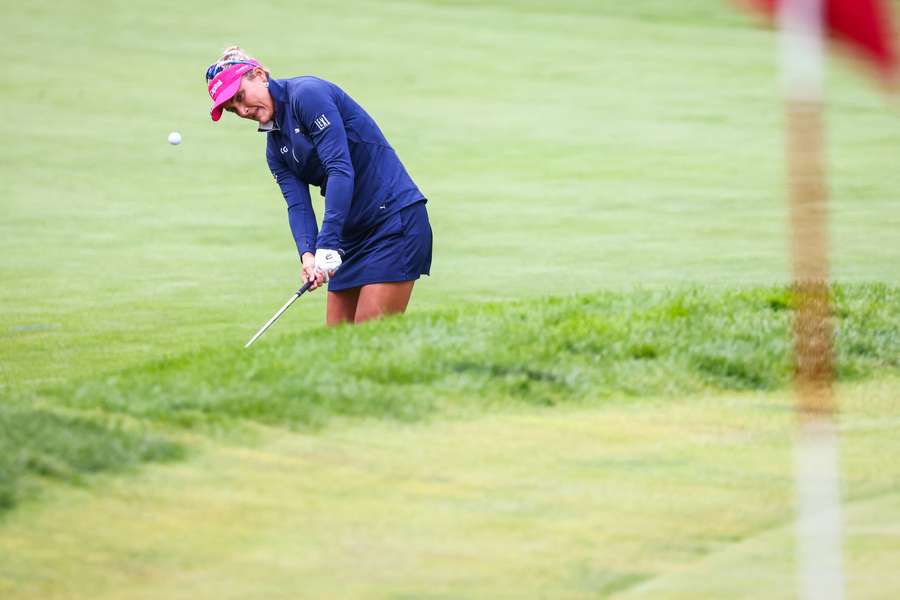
x: 225, y: 85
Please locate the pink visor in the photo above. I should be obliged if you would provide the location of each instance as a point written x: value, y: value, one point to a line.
x: 225, y: 85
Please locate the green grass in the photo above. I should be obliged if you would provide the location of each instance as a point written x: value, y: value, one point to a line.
x: 586, y: 350
x: 44, y: 443
x: 606, y: 176
x: 599, y: 146
x: 657, y: 498
x: 543, y: 352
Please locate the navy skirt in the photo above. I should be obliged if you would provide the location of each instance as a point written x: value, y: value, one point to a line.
x: 397, y: 250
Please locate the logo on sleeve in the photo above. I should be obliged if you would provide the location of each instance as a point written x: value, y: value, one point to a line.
x: 322, y: 122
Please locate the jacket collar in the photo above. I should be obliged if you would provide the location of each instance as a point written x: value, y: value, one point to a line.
x: 278, y: 91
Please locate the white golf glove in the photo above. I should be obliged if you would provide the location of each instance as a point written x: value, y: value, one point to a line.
x: 327, y: 262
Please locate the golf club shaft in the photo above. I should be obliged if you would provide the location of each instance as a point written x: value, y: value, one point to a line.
x: 287, y: 304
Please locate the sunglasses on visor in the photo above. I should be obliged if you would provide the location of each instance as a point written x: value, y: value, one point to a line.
x: 216, y: 68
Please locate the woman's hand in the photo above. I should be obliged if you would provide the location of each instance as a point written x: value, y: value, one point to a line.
x: 327, y: 261
x: 310, y: 274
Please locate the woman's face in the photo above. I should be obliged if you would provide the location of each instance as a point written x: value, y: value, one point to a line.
x: 253, y: 100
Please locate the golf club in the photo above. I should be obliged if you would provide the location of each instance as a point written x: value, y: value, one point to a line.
x: 287, y: 304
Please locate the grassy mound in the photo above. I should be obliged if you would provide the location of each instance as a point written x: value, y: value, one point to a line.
x: 645, y: 343
x: 558, y: 350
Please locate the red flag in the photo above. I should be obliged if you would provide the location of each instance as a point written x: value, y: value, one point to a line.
x: 865, y: 25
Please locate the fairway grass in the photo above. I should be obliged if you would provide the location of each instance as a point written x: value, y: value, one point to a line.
x: 683, y: 498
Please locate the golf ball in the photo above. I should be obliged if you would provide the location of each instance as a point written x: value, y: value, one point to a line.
x: 174, y: 138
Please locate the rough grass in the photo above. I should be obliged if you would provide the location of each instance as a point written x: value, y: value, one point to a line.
x: 542, y: 352
x: 580, y: 349
x: 590, y: 347
x: 41, y: 442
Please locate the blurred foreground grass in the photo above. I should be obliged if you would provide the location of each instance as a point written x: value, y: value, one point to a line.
x: 677, y: 498
x: 43, y: 443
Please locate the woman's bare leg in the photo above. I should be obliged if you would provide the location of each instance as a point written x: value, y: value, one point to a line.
x: 341, y: 306
x: 379, y: 299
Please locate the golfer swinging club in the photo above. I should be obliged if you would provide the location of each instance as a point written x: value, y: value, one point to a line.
x: 375, y: 226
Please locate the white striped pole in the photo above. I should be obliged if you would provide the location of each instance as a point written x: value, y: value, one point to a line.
x: 816, y: 464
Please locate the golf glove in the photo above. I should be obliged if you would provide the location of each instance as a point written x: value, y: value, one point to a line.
x: 327, y: 262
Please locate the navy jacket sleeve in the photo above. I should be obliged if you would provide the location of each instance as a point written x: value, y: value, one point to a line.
x: 315, y: 106
x: 301, y: 217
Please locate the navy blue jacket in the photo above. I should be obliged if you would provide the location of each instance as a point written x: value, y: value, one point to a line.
x: 322, y: 137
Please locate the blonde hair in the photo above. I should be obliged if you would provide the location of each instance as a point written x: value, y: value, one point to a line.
x: 236, y: 53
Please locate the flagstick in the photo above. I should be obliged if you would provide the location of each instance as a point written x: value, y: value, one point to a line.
x: 816, y: 449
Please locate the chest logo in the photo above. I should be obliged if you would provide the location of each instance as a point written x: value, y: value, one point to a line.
x: 284, y: 150
x: 322, y: 122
